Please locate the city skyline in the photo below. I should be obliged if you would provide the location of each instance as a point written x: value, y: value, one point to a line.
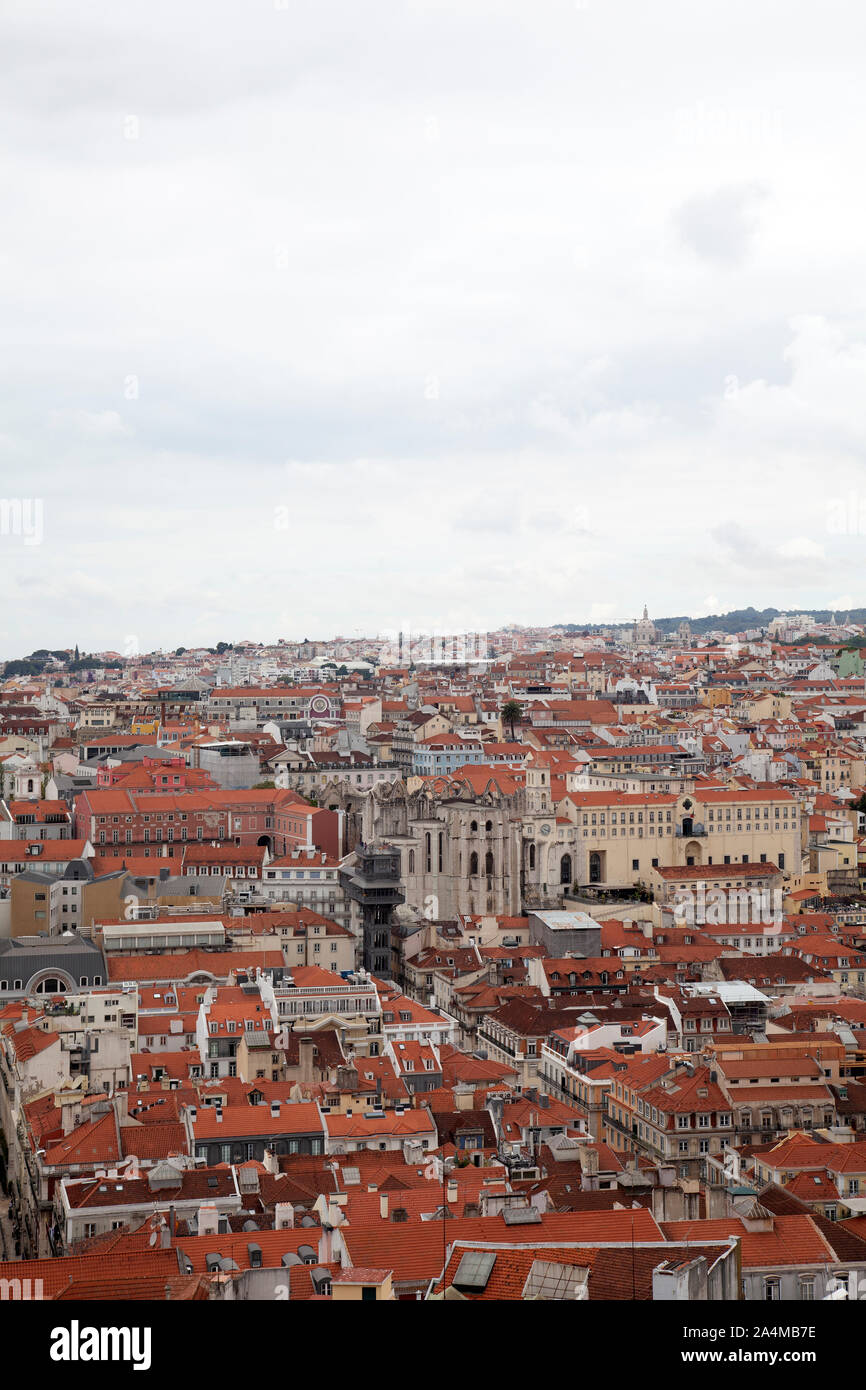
x: 854, y: 616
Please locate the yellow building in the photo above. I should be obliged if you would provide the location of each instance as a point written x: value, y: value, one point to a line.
x: 716, y: 696
x: 140, y: 725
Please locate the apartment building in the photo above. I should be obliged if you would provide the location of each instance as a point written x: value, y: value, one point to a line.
x: 677, y: 1119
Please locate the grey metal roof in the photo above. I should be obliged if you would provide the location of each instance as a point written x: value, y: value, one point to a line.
x: 24, y: 957
x: 76, y: 871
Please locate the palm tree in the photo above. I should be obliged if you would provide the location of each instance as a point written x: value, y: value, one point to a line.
x: 512, y: 713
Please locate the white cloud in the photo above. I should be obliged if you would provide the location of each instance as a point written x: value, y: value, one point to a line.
x: 800, y: 548
x: 92, y: 424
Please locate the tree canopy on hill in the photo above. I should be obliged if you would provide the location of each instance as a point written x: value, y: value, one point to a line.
x: 738, y: 620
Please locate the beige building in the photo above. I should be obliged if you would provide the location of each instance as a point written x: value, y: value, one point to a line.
x: 769, y: 705
x: 98, y: 716
x: 624, y: 837
x: 258, y: 1057
x: 362, y: 1285
x: 304, y: 937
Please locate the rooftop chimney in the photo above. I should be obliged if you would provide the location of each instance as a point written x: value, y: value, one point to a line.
x: 305, y: 1058
x: 208, y: 1219
x: 383, y: 1206
x: 284, y: 1216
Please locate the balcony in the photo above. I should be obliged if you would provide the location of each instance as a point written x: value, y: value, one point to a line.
x: 378, y: 896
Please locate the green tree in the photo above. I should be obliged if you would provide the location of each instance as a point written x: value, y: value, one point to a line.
x: 512, y: 713
x: 23, y: 668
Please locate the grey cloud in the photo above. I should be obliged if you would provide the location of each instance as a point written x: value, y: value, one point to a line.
x: 328, y: 211
x: 719, y: 226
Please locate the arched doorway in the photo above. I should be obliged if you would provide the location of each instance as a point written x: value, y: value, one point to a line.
x: 565, y: 869
x: 595, y: 867
x: 694, y: 853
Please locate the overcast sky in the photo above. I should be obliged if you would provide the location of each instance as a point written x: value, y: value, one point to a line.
x: 351, y: 317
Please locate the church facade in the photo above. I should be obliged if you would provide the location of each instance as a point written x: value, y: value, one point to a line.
x: 644, y: 632
x: 467, y: 846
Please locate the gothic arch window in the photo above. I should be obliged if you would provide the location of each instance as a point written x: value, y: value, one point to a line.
x: 488, y: 863
x: 411, y: 861
x: 488, y: 825
x: 440, y: 851
x: 565, y: 869
x: 473, y: 825
x: 427, y: 849
x: 532, y: 856
x: 473, y: 864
